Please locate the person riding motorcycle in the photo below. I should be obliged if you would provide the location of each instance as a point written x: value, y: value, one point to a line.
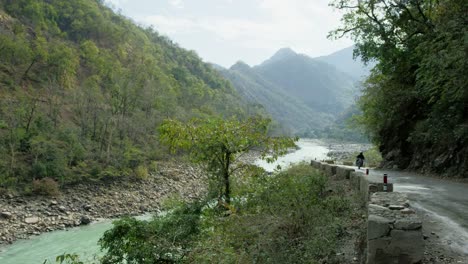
x: 360, y: 160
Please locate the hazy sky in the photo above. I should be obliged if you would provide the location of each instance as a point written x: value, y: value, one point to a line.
x: 226, y: 31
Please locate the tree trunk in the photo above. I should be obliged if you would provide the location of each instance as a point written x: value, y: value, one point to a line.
x: 31, y: 115
x: 227, y: 191
x: 25, y: 74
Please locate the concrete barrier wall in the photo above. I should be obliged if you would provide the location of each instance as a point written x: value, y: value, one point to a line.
x: 343, y: 172
x: 394, y: 231
x: 329, y: 169
x: 366, y: 186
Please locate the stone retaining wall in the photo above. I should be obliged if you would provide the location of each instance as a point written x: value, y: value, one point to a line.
x: 394, y: 231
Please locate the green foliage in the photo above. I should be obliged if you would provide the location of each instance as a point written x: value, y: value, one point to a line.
x: 165, y: 239
x: 344, y: 127
x: 284, y: 218
x: 319, y: 85
x: 217, y: 143
x: 304, y: 95
x: 141, y: 172
x: 82, y: 90
x: 289, y: 219
x: 295, y: 116
x: 68, y: 259
x: 415, y: 102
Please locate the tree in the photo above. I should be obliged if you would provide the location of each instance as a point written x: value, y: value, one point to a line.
x: 382, y: 29
x: 77, y: 68
x: 219, y: 143
x: 414, y: 103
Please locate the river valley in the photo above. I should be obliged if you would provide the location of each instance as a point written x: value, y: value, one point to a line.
x: 83, y: 239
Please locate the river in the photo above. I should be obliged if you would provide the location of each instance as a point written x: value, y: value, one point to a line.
x: 83, y: 240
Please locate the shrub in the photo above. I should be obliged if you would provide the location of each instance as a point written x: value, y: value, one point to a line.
x: 141, y: 172
x: 46, y: 186
x: 289, y: 219
x: 153, y: 167
x: 167, y: 238
x: 281, y: 218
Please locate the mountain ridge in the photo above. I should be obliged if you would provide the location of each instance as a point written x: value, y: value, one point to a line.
x: 344, y: 61
x: 312, y: 91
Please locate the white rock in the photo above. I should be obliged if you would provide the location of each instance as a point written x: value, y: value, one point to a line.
x: 31, y: 220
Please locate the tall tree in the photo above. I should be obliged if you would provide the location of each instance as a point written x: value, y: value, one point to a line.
x: 415, y: 102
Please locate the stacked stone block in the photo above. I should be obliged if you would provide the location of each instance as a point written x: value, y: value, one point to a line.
x: 394, y: 231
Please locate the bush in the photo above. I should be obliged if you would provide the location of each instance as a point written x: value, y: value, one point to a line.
x: 141, y: 172
x: 283, y: 218
x: 290, y: 219
x: 46, y: 186
x: 153, y: 167
x: 165, y: 239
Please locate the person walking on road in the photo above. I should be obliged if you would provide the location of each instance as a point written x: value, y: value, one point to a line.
x: 360, y: 160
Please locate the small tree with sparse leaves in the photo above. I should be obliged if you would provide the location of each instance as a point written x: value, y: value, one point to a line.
x: 219, y: 143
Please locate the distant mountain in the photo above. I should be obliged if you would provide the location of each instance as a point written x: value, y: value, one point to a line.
x: 343, y: 61
x: 293, y: 114
x: 302, y: 94
x: 281, y: 54
x: 319, y: 85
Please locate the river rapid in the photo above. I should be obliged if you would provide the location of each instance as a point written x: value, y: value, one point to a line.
x: 83, y: 240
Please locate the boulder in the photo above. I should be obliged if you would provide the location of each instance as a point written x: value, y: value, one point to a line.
x: 32, y: 220
x: 85, y: 220
x: 6, y: 215
x: 62, y: 209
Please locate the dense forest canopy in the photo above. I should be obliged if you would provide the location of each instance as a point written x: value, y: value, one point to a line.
x: 415, y: 103
x: 82, y: 91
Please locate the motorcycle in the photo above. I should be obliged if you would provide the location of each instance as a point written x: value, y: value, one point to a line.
x: 359, y: 163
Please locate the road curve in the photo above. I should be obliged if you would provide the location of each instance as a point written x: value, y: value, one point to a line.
x: 443, y: 205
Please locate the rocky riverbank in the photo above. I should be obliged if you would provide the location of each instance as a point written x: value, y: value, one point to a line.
x: 22, y: 217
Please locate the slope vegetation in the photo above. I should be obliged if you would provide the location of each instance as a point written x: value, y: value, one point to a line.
x: 293, y: 114
x: 321, y: 86
x: 303, y: 94
x: 415, y: 103
x: 82, y: 91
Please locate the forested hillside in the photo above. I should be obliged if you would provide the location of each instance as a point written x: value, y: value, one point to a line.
x: 293, y: 114
x: 415, y: 103
x: 303, y: 94
x: 82, y: 91
x: 319, y: 85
